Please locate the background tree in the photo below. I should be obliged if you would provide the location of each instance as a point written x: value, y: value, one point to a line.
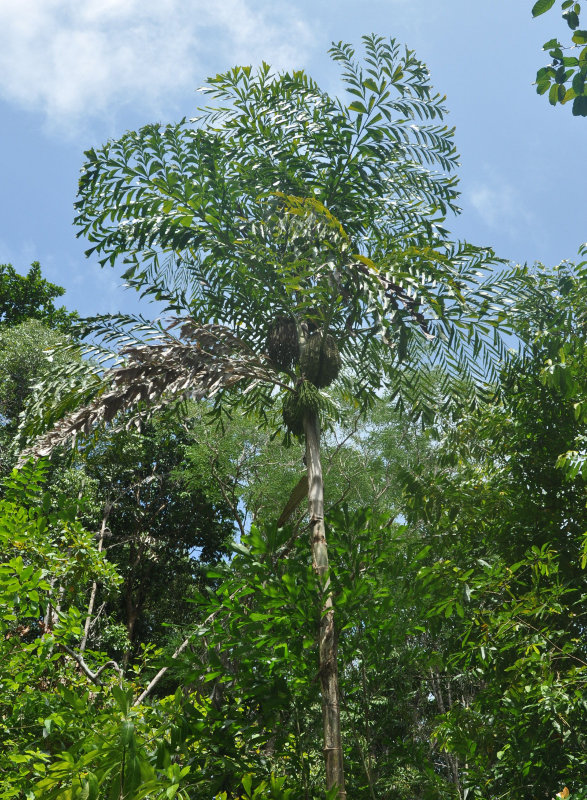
x: 503, y: 575
x: 46, y: 561
x: 124, y: 478
x: 162, y: 532
x: 31, y: 328
x: 24, y: 360
x: 243, y: 464
x: 30, y: 296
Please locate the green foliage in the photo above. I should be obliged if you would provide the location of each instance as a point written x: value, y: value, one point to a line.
x: 504, y: 584
x: 251, y: 658
x: 47, y: 561
x: 31, y: 330
x: 520, y: 727
x: 27, y: 354
x: 565, y: 360
x: 30, y: 296
x: 163, y: 525
x: 241, y: 462
x: 564, y: 78
x: 63, y: 733
x: 43, y: 531
x: 124, y: 753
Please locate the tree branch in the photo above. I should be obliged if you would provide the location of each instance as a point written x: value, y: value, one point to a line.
x: 93, y: 676
x: 210, y: 618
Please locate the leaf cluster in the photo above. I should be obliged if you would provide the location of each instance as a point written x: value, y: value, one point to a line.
x: 30, y: 296
x: 564, y: 78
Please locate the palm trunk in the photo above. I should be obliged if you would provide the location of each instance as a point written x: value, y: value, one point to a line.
x: 328, y: 643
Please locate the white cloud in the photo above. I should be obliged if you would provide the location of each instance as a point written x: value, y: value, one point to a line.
x: 499, y: 204
x: 75, y: 60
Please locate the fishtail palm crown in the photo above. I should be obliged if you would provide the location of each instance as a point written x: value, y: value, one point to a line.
x: 281, y: 202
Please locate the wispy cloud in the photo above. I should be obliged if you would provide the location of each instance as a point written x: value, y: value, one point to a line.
x: 499, y: 204
x: 82, y: 59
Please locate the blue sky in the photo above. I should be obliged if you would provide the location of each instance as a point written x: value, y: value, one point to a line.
x: 76, y: 72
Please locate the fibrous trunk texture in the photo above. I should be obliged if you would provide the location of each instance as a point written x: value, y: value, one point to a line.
x: 328, y: 642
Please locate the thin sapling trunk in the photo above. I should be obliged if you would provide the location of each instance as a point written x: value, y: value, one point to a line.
x: 94, y: 590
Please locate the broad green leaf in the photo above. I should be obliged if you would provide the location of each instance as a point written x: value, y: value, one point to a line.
x: 541, y: 6
x: 545, y: 73
x: 121, y: 699
x: 572, y: 19
x: 370, y: 84
x: 580, y: 106
x: 127, y: 730
x: 578, y: 83
x: 16, y: 758
x: 238, y: 547
x: 247, y: 782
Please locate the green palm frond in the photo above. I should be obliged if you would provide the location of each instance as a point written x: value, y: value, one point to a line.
x: 173, y: 201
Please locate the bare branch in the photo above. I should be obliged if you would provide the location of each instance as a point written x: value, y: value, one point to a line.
x: 210, y: 618
x: 93, y: 676
x: 299, y: 492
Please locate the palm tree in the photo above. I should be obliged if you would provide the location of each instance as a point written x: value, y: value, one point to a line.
x: 298, y: 242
